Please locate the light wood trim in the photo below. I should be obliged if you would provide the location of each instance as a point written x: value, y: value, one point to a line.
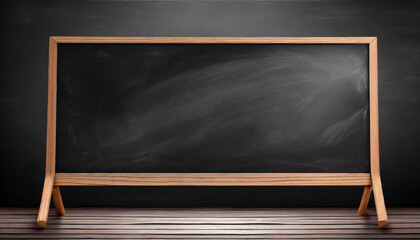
x: 51, y: 135
x: 212, y: 179
x: 374, y: 135
x: 51, y: 108
x: 216, y: 40
x: 365, y: 201
x: 58, y: 201
x: 45, y: 201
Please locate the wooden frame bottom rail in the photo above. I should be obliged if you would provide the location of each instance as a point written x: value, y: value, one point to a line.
x: 212, y: 179
x: 53, y: 182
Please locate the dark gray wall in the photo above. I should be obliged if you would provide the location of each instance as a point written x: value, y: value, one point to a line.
x: 26, y: 25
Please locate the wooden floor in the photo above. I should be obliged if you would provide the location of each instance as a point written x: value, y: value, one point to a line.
x: 128, y: 223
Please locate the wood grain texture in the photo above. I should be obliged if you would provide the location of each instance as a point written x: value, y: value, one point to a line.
x: 215, y: 40
x: 45, y: 201
x: 51, y: 109
x: 51, y: 135
x: 374, y: 135
x: 58, y: 201
x: 212, y: 179
x: 365, y: 201
x: 278, y: 223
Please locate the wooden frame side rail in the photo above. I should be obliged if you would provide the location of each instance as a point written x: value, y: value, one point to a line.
x: 371, y: 181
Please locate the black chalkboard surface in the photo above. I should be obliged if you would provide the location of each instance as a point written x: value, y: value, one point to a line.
x: 278, y: 108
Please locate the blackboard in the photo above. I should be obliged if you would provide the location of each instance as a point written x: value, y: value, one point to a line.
x: 198, y: 108
x: 135, y: 111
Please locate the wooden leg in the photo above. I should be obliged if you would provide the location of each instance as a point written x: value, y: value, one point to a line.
x: 58, y: 202
x: 45, y: 201
x: 365, y: 201
x: 379, y: 203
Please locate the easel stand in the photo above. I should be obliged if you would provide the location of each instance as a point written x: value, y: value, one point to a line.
x: 51, y: 187
x: 371, y: 181
x: 379, y: 204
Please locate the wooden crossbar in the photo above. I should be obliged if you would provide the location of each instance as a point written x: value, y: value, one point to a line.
x: 212, y: 179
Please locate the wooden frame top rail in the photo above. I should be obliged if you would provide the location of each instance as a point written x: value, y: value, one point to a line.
x: 217, y: 40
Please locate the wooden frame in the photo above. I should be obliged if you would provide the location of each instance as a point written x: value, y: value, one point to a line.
x: 371, y: 181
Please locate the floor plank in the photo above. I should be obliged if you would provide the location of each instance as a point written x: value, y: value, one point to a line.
x: 137, y: 223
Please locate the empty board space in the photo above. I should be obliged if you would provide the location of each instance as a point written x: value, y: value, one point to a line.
x: 251, y: 108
